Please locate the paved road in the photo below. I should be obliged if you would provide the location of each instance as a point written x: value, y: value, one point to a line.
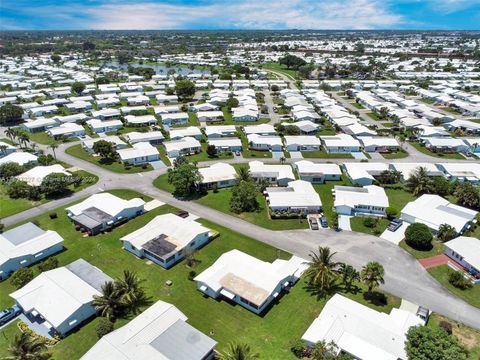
x: 404, y: 275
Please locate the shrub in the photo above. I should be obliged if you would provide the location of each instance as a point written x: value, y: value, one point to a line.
x: 391, y: 212
x: 2, y: 226
x: 215, y: 188
x: 103, y: 327
x: 298, y: 347
x: 191, y: 275
x: 21, y: 277
x: 445, y: 325
x: 144, y: 166
x: 53, y: 215
x: 48, y: 264
x: 419, y: 236
x: 456, y: 279
x: 370, y: 222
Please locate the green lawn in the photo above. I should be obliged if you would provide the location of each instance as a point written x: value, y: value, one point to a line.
x: 292, y: 74
x: 427, y: 101
x: 324, y: 155
x: 423, y: 149
x: 451, y: 110
x: 325, y: 192
x: 7, y: 141
x: 45, y: 139
x: 437, y: 249
x: 13, y: 206
x: 269, y: 335
x: 112, y: 165
x: 396, y: 155
x: 471, y: 296
x: 375, y: 116
x: 248, y: 153
x: 358, y: 105
x: 356, y: 223
x: 466, y: 335
x: 398, y: 198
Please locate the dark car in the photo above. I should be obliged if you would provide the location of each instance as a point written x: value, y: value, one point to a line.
x: 395, y: 224
x: 8, y: 314
x: 324, y: 222
x: 313, y: 223
x: 182, y: 213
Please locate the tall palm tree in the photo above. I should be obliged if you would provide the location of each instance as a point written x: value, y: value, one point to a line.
x: 109, y: 304
x: 10, y: 133
x: 25, y: 347
x: 349, y: 275
x: 372, y: 275
x: 244, y: 174
x: 53, y: 147
x: 419, y: 182
x: 132, y: 294
x: 23, y: 139
x: 322, y: 270
x: 239, y: 352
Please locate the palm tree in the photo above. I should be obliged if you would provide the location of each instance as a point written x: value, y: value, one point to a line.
x: 23, y: 139
x: 109, y: 303
x: 349, y: 275
x: 244, y: 174
x: 25, y: 347
x: 132, y: 294
x: 372, y: 275
x: 3, y: 149
x: 282, y: 160
x: 322, y: 269
x: 239, y: 352
x: 53, y: 147
x: 10, y: 133
x: 419, y: 182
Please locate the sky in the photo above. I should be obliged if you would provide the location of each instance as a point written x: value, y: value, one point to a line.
x: 239, y: 14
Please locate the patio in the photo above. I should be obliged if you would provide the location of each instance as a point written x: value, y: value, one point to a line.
x: 37, y: 324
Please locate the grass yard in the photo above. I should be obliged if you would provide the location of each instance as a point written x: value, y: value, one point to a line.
x: 7, y: 141
x: 112, y: 165
x: 401, y: 154
x: 325, y: 192
x: 398, y: 198
x: 45, y: 139
x: 248, y: 153
x: 469, y: 337
x: 324, y: 155
x: 266, y: 334
x: 427, y: 101
x: 375, y: 116
x: 423, y: 149
x: 437, y: 249
x: 292, y: 74
x: 358, y: 105
x: 356, y: 224
x: 471, y: 296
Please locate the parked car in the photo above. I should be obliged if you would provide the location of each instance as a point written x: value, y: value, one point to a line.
x: 8, y: 314
x: 313, y: 223
x: 237, y: 153
x: 324, y: 222
x: 395, y: 224
x: 423, y: 313
x: 182, y: 213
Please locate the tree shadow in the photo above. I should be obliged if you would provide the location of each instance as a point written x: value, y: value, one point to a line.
x: 320, y: 294
x: 376, y: 298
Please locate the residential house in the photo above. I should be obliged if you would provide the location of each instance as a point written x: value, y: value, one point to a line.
x: 341, y: 143
x: 317, y: 173
x: 275, y: 174
x: 370, y: 200
x: 298, y: 196
x: 140, y: 153
x: 183, y: 146
x: 220, y: 175
x: 465, y: 251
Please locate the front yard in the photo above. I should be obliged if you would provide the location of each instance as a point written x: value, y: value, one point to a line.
x: 424, y: 150
x: 437, y: 249
x: 270, y: 335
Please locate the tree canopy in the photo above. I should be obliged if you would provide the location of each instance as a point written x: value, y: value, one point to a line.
x: 418, y: 236
x: 292, y: 61
x: 185, y: 89
x: 10, y: 114
x: 78, y: 87
x: 184, y: 178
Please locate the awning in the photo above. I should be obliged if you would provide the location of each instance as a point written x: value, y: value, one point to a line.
x: 227, y: 294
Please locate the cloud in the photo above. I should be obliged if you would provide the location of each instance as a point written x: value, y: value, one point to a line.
x: 215, y: 14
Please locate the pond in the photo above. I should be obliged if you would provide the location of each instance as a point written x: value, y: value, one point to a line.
x: 159, y: 69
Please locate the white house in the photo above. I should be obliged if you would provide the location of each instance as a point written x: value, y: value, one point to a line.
x: 433, y: 211
x: 170, y: 119
x: 445, y: 144
x: 298, y: 197
x: 302, y: 143
x: 183, y: 146
x: 38, y: 125
x: 115, y: 140
x: 207, y: 116
x: 265, y: 142
x: 160, y: 332
x: 379, y: 143
x: 260, y: 129
x: 190, y: 131
x: 35, y: 175
x: 364, y: 173
x: 235, y: 276
x: 367, y: 200
x: 106, y: 114
x: 244, y: 114
x: 100, y: 126
x: 465, y: 251
x: 26, y: 245
x: 306, y: 127
x: 153, y: 137
x: 140, y: 153
x: 61, y: 299
x: 226, y: 144
x: 141, y: 120
x: 6, y: 149
x: 317, y: 173
x: 408, y: 169
x: 362, y: 332
x: 20, y: 158
x: 166, y: 239
x: 220, y: 174
x: 104, y: 210
x: 461, y: 172
x: 275, y: 174
x: 341, y: 143
x: 218, y: 131
x: 66, y: 130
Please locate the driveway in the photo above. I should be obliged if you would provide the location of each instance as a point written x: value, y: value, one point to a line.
x: 296, y: 155
x: 277, y: 155
x: 395, y: 236
x: 434, y: 261
x: 344, y: 222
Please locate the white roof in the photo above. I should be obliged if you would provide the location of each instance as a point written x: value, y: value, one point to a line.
x: 225, y: 142
x: 461, y: 170
x: 444, y: 141
x: 219, y: 129
x: 433, y: 211
x: 378, y: 141
x: 363, y: 332
x: 65, y: 128
x: 178, y: 231
x: 131, y: 119
x: 134, y: 136
x: 96, y: 123
x: 297, y: 194
x: 183, y: 143
x: 259, y: 169
x: 351, y: 196
x: 340, y: 140
x: 112, y: 138
x: 138, y: 150
x: 35, y: 176
x: 238, y: 273
x: 27, y: 239
x: 302, y: 140
x: 217, y: 172
x: 259, y: 129
x: 32, y: 124
x: 105, y: 202
x: 20, y: 158
x: 184, y: 132
x: 364, y: 170
x: 56, y: 294
x: 271, y: 140
x: 408, y: 169
x: 174, y: 116
x: 308, y: 167
x: 136, y: 339
x: 467, y: 247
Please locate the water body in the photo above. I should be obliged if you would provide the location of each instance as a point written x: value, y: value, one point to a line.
x: 159, y: 69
